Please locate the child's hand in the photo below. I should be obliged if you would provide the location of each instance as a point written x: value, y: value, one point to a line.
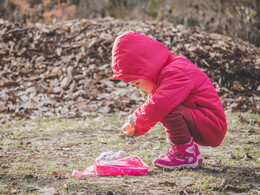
x: 130, y: 120
x: 128, y: 130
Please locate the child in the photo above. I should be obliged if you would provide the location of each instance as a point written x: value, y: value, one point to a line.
x: 181, y: 97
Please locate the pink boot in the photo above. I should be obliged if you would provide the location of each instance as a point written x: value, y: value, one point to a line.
x: 179, y: 156
x: 196, y: 149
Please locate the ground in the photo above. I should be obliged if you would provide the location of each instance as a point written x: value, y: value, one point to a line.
x: 37, y: 156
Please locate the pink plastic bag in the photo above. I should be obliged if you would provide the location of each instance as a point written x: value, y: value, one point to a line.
x: 125, y: 166
x: 90, y: 171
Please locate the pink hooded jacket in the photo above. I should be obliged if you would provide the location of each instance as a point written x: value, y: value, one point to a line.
x: 177, y: 81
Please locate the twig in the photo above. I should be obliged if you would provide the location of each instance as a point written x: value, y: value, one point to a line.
x: 18, y: 30
x: 222, y: 185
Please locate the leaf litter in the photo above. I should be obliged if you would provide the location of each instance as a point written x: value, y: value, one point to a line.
x: 63, y: 69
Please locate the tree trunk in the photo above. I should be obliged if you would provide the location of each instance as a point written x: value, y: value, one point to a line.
x: 258, y: 14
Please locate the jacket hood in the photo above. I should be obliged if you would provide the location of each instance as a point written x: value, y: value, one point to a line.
x: 135, y: 55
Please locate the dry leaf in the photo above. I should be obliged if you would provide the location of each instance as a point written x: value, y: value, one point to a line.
x: 55, y: 173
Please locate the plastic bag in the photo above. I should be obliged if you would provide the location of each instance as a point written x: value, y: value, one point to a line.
x: 110, y: 155
x: 124, y: 166
x: 90, y: 171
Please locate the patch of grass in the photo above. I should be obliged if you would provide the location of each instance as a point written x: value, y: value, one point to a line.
x: 205, y: 184
x: 43, y: 153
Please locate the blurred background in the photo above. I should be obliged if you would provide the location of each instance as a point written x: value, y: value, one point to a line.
x: 235, y: 18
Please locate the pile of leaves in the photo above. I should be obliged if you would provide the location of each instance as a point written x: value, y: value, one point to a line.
x: 63, y: 69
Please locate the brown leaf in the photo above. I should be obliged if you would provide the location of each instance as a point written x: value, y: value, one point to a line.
x: 65, y: 82
x: 233, y: 156
x: 50, y: 90
x: 55, y: 173
x: 237, y: 86
x: 255, y: 110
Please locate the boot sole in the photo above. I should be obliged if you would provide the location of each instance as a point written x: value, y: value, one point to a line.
x: 184, y: 166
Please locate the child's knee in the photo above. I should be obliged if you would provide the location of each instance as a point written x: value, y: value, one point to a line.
x: 173, y: 115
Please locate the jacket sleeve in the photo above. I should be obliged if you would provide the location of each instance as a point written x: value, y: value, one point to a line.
x: 174, y: 87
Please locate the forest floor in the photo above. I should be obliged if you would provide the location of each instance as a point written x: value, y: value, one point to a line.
x: 63, y: 70
x: 38, y: 156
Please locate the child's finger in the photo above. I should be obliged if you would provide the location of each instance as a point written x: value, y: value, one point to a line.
x: 131, y: 120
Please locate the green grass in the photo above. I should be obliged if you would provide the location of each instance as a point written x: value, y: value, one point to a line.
x: 33, y: 151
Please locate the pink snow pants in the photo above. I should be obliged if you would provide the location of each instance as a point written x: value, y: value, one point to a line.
x: 179, y: 125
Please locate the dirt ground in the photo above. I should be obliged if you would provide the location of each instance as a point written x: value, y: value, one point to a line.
x: 38, y: 156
